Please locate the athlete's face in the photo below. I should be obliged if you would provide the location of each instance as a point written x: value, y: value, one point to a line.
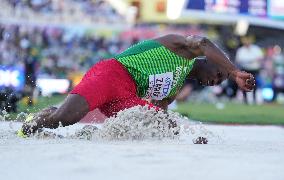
x: 207, y: 73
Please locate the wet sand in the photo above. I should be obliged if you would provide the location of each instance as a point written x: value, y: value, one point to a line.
x: 245, y: 152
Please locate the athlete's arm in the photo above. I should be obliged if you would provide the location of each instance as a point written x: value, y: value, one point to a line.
x: 201, y: 46
x: 193, y: 46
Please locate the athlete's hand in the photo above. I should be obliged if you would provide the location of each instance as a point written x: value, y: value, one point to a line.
x: 244, y: 80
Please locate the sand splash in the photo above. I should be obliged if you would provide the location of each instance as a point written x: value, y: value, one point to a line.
x: 136, y: 123
x: 140, y: 122
x: 143, y: 123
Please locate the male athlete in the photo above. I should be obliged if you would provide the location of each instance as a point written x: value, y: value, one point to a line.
x: 152, y: 69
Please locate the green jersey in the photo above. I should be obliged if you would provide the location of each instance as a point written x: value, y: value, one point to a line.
x: 158, y: 72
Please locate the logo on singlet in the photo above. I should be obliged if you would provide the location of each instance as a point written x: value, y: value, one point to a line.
x: 160, y: 86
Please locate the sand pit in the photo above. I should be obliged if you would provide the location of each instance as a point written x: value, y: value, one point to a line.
x: 242, y: 152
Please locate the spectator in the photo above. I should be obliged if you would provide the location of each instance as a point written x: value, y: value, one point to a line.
x: 249, y: 58
x: 278, y: 71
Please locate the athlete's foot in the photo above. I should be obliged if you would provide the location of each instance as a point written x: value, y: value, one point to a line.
x: 30, y: 125
x: 30, y: 128
x: 26, y: 129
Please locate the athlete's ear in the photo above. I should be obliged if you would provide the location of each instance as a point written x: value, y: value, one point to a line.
x: 193, y: 73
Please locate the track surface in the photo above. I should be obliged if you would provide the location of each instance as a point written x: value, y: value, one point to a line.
x: 245, y: 152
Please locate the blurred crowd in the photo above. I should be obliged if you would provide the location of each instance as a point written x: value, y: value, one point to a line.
x: 91, y: 7
x: 53, y: 52
x: 56, y: 11
x: 36, y: 5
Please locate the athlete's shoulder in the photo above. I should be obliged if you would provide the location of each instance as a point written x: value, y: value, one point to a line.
x: 172, y: 41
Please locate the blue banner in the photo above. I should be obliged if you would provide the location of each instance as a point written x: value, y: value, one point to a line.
x: 245, y: 7
x: 12, y: 76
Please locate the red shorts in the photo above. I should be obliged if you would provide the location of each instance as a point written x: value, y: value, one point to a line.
x: 109, y: 87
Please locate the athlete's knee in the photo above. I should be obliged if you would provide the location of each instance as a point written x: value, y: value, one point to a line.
x: 49, y: 110
x: 58, y: 118
x: 65, y: 117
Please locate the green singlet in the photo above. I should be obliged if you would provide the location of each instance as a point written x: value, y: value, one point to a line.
x: 158, y: 72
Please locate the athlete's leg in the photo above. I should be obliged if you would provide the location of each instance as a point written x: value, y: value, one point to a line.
x: 70, y: 112
x: 94, y: 90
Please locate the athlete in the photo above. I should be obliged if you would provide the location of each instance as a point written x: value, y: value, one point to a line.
x: 153, y: 69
